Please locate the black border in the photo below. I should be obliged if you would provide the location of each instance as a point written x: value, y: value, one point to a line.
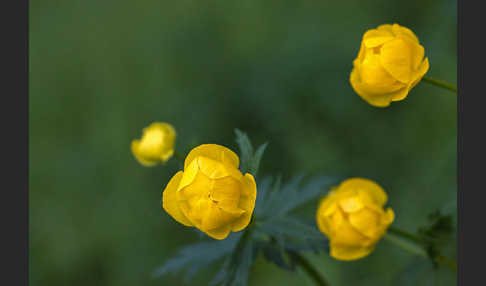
x: 15, y: 106
x: 471, y: 143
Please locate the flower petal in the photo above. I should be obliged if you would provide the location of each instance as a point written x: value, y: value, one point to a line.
x: 351, y: 204
x: 343, y: 233
x: 367, y: 222
x: 347, y: 253
x: 373, y: 73
x: 219, y: 233
x: 213, y: 151
x: 369, y: 187
x: 169, y: 200
x: 216, y: 169
x: 396, y: 58
x: 139, y: 155
x: 379, y: 96
x: 247, y: 202
x: 226, y: 192
x: 215, y: 217
x: 404, y: 31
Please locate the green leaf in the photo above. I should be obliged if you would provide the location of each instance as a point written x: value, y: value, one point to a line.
x: 436, y: 234
x: 235, y: 269
x: 257, y: 157
x: 246, y: 150
x: 249, y: 160
x: 276, y: 202
x: 197, y: 255
x: 275, y: 252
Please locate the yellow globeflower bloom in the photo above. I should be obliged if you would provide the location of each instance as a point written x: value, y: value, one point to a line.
x: 211, y: 193
x: 390, y: 62
x: 353, y: 218
x: 156, y: 144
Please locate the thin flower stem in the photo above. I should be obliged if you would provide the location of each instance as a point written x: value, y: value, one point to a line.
x: 309, y: 269
x: 406, y: 245
x: 396, y: 236
x: 440, y: 83
x: 408, y: 235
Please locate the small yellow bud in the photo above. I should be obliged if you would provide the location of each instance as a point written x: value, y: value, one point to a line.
x: 390, y: 62
x: 156, y: 144
x: 353, y: 218
x: 211, y: 193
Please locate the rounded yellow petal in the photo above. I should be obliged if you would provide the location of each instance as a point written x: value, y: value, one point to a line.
x: 367, y: 186
x: 139, y: 155
x: 213, y: 151
x: 219, y: 233
x: 374, y: 37
x: 215, y: 217
x: 400, y: 30
x: 396, y: 58
x: 379, y: 96
x: 215, y: 169
x: 156, y: 144
x: 373, y: 73
x: 169, y: 200
x: 246, y: 203
x: 367, y: 222
x: 348, y: 253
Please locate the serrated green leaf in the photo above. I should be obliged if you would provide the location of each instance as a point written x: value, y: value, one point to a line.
x: 198, y: 255
x: 246, y: 150
x: 235, y: 269
x: 293, y: 194
x: 249, y: 160
x: 256, y: 159
x: 290, y: 227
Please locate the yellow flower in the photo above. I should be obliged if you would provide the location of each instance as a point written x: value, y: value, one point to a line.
x: 390, y: 63
x: 156, y: 145
x: 211, y: 193
x: 353, y: 218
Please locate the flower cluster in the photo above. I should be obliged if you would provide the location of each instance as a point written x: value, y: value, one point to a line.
x: 216, y: 195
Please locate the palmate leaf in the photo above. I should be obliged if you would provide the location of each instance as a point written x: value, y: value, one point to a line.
x: 198, y: 255
x: 236, y: 268
x: 274, y: 201
x: 250, y: 159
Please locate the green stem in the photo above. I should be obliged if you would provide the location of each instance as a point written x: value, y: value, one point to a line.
x: 309, y: 269
x: 406, y: 245
x: 440, y: 83
x: 408, y: 235
x: 396, y: 236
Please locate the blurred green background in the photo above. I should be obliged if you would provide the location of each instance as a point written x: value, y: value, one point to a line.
x: 100, y: 71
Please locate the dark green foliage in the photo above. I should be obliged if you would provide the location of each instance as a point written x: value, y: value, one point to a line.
x: 236, y: 268
x: 274, y: 201
x: 436, y: 234
x: 250, y: 159
x: 197, y: 255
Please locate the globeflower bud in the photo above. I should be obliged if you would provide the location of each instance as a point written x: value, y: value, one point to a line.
x: 156, y: 144
x: 211, y: 193
x: 353, y: 218
x: 390, y: 62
